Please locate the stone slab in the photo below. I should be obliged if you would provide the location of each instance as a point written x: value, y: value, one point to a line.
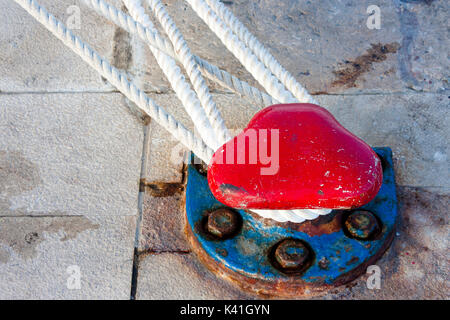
x: 407, y: 52
x: 328, y: 47
x: 69, y: 154
x: 178, y: 276
x: 163, y: 222
x: 41, y: 257
x: 33, y: 60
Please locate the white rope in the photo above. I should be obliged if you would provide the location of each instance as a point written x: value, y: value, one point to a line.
x: 241, y: 52
x: 233, y: 83
x: 148, y: 34
x: 119, y: 80
x: 187, y: 59
x: 297, y: 216
x: 261, y: 52
x: 173, y: 73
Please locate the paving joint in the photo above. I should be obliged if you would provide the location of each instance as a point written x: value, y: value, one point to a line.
x: 144, y: 160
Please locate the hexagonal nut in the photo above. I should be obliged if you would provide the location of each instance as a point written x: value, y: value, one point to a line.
x: 223, y: 223
x: 362, y: 224
x: 292, y: 254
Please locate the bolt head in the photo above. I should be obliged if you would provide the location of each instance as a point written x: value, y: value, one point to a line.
x: 223, y: 223
x: 292, y: 254
x: 362, y: 224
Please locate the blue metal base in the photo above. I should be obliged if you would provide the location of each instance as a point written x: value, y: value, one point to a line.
x: 246, y: 258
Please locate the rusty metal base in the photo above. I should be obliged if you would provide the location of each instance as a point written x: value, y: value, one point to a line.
x: 247, y: 258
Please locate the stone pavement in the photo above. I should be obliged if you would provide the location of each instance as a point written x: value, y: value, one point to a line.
x: 89, y: 187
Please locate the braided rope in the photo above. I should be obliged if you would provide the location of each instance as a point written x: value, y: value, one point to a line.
x: 212, y: 72
x: 296, y: 216
x: 261, y: 52
x: 241, y: 52
x: 184, y: 54
x: 173, y: 73
x: 233, y: 83
x: 148, y: 34
x: 118, y: 79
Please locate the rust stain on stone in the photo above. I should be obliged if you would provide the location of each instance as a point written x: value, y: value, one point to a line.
x: 353, y: 69
x: 161, y: 189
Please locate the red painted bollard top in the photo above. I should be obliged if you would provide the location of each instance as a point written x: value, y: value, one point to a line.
x: 295, y: 156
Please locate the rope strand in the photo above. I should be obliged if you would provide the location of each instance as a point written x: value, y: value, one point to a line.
x: 169, y: 67
x: 191, y: 67
x: 149, y: 35
x: 261, y: 52
x: 242, y: 53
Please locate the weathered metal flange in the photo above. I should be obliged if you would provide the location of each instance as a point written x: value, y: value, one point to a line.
x: 287, y: 259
